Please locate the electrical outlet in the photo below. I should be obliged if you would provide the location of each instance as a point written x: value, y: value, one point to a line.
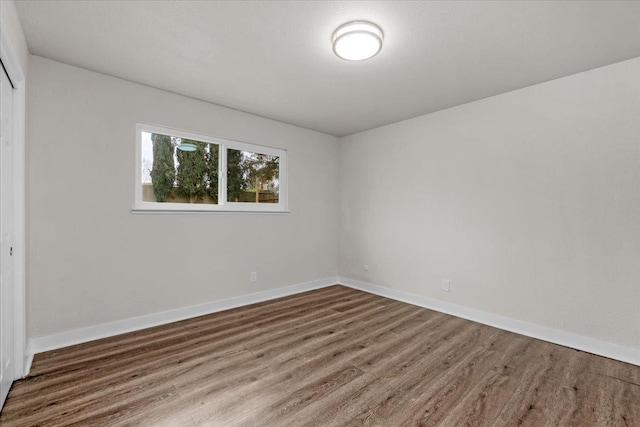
x: 446, y: 286
x: 365, y: 267
x: 253, y: 277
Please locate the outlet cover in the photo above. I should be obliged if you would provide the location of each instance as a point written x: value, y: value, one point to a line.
x: 253, y: 277
x: 446, y: 286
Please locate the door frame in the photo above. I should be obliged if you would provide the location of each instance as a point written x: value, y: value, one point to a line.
x: 21, y: 356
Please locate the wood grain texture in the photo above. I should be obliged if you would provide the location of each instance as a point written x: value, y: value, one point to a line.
x: 331, y: 357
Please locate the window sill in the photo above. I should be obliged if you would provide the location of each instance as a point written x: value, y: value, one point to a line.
x: 139, y: 211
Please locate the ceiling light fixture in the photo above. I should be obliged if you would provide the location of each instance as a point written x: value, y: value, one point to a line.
x: 357, y: 40
x: 186, y: 145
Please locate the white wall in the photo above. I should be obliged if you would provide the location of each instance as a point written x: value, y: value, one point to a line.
x: 92, y: 261
x: 13, y: 30
x: 529, y: 202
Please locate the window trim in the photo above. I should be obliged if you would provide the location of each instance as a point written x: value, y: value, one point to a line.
x: 223, y: 205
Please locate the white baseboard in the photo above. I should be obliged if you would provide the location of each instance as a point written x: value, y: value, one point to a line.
x: 78, y: 336
x: 567, y: 339
x: 28, y: 360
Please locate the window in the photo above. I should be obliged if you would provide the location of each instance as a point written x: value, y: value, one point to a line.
x: 182, y: 171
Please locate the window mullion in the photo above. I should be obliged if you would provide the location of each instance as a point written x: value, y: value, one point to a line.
x: 222, y: 178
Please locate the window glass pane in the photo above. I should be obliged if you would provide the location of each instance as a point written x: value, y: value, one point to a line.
x: 252, y: 177
x: 181, y: 171
x: 178, y: 170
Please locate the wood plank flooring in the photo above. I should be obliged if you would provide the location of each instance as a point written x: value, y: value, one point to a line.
x: 331, y: 357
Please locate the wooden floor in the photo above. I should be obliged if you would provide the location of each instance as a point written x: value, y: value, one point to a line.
x: 332, y: 357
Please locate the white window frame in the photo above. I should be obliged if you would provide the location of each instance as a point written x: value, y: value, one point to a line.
x: 223, y: 205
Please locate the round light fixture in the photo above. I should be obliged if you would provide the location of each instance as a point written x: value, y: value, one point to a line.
x: 357, y: 40
x: 187, y: 146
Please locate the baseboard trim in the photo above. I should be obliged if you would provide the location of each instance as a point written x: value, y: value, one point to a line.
x: 28, y: 360
x: 567, y: 339
x: 78, y: 336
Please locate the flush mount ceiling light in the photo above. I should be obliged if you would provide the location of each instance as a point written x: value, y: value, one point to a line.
x: 357, y: 40
x: 187, y: 145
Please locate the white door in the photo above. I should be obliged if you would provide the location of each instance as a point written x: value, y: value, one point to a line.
x: 6, y: 236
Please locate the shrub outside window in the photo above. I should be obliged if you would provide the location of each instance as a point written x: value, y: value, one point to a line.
x: 183, y: 171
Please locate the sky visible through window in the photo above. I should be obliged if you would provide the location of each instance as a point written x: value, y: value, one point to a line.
x: 147, y: 157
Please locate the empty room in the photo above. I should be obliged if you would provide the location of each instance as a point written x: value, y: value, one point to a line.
x: 319, y: 213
